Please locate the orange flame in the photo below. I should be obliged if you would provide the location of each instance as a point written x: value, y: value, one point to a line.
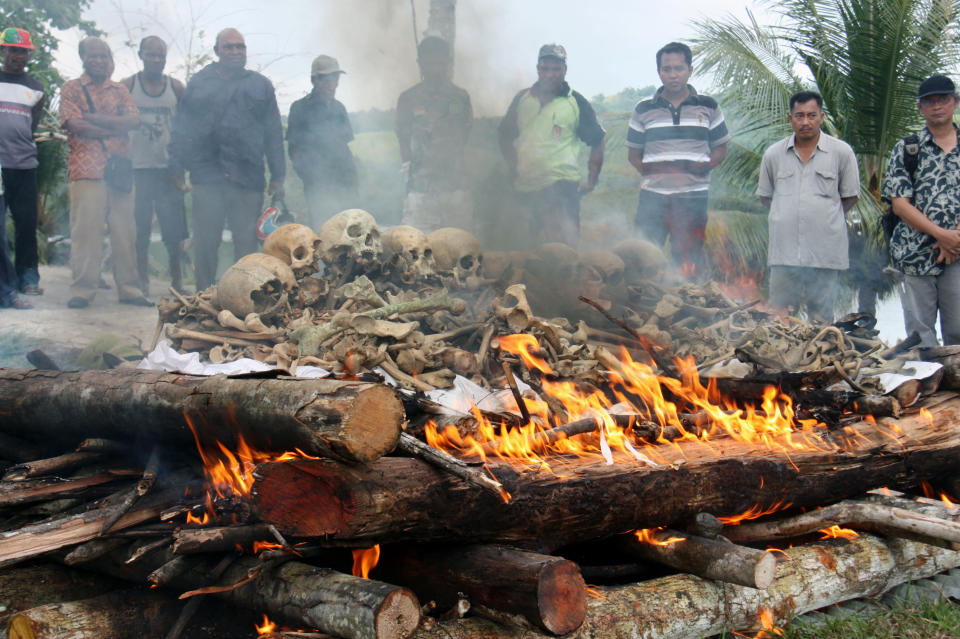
x: 260, y: 546
x: 267, y: 627
x: 767, y: 625
x: 835, y: 532
x: 754, y: 512
x: 527, y: 347
x: 648, y: 536
x: 949, y: 503
x: 643, y: 396
x: 594, y: 593
x: 365, y: 560
x: 199, y: 521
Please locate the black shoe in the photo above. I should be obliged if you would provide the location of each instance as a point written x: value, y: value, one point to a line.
x: 78, y: 302
x: 137, y: 301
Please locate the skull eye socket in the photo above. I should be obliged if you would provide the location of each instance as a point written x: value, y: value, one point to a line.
x: 466, y: 262
x: 299, y: 253
x: 355, y: 230
x: 427, y: 254
x: 414, y: 254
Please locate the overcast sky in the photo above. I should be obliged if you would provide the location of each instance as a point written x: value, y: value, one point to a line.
x: 610, y: 43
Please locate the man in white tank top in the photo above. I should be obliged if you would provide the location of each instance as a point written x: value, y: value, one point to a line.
x: 156, y: 95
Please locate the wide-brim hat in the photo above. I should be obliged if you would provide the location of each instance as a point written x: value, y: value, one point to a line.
x: 13, y: 37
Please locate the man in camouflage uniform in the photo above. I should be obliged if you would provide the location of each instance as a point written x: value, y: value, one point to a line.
x: 433, y: 124
x: 926, y: 241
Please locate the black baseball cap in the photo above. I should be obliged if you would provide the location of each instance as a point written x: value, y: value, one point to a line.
x: 936, y: 85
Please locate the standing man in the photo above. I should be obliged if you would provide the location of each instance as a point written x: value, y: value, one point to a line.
x: 156, y: 96
x: 433, y: 124
x: 226, y: 122
x: 674, y: 139
x: 318, y: 132
x: 540, y: 139
x: 926, y: 240
x: 21, y: 107
x: 97, y: 114
x: 808, y: 181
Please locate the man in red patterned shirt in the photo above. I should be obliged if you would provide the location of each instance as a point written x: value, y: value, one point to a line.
x: 97, y: 114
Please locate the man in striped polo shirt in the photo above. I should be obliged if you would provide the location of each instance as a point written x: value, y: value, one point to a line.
x: 674, y: 139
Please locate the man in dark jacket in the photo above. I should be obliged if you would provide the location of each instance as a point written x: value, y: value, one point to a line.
x: 318, y: 132
x: 227, y: 121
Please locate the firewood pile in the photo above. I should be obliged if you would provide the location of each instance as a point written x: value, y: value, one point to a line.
x: 607, y: 492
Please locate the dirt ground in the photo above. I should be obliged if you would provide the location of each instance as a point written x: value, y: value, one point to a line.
x: 62, y: 333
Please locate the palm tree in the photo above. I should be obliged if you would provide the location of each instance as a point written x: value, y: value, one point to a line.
x: 866, y: 57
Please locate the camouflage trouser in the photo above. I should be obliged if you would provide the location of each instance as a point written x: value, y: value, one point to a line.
x: 434, y: 210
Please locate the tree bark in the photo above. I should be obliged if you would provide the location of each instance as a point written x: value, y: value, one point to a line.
x: 688, y: 607
x: 33, y: 490
x: 548, y: 592
x: 24, y: 587
x: 119, y: 615
x: 36, y: 539
x: 294, y: 592
x: 352, y: 421
x: 707, y: 558
x: 218, y: 538
x: 397, y: 499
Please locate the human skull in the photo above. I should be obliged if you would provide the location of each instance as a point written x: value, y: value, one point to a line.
x: 456, y: 252
x: 643, y: 260
x: 504, y: 264
x: 257, y: 283
x: 297, y: 245
x: 350, y: 235
x: 601, y: 275
x: 407, y: 254
x: 554, y: 262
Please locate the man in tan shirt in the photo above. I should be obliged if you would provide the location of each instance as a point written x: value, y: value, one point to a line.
x: 808, y: 181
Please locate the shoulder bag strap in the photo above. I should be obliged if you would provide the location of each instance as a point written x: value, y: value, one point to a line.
x: 86, y: 94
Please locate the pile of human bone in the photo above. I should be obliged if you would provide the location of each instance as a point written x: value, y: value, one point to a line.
x: 427, y: 308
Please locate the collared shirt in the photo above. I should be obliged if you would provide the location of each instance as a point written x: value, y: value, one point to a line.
x: 21, y: 106
x: 807, y: 224
x: 547, y: 136
x: 87, y: 155
x: 935, y: 191
x: 436, y: 119
x: 224, y: 127
x: 317, y: 136
x: 677, y: 141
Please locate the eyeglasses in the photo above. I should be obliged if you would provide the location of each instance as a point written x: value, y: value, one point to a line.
x: 943, y: 98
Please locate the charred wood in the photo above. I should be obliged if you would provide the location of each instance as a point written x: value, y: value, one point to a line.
x: 689, y: 607
x: 548, y: 592
x: 353, y: 421
x: 396, y: 499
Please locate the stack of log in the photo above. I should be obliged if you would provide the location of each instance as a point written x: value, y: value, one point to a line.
x: 515, y: 550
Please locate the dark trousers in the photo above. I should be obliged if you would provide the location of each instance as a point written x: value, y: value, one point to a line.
x: 20, y: 192
x: 554, y: 213
x: 682, y: 217
x: 156, y: 194
x: 8, y: 277
x: 216, y: 204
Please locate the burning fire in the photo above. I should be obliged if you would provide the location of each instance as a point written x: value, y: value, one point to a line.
x: 267, y: 627
x: 260, y: 546
x: 658, y: 405
x: 230, y: 474
x: 930, y: 493
x: 648, y: 536
x: 835, y: 531
x: 365, y: 560
x: 768, y: 627
x: 754, y: 512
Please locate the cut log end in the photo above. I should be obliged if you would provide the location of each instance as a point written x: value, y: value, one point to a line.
x: 765, y: 571
x: 398, y: 616
x: 328, y: 510
x: 366, y: 437
x: 562, y: 597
